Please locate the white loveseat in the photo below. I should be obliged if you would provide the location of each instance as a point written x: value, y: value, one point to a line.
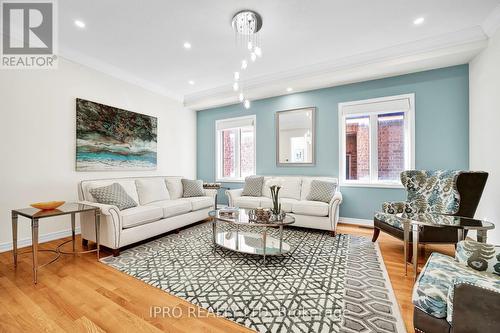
x: 148, y: 219
x: 293, y: 194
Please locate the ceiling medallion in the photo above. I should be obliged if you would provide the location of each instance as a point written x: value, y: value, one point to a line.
x: 246, y: 25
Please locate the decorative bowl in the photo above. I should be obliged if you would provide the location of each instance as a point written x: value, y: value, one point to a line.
x: 259, y: 214
x: 49, y: 205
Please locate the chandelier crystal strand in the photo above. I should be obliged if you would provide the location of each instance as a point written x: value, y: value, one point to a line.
x: 246, y: 25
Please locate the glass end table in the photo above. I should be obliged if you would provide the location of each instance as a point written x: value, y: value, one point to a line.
x: 35, y: 215
x: 249, y: 242
x: 415, y: 222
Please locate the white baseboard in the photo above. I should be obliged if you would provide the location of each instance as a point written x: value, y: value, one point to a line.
x: 7, y: 246
x: 352, y: 220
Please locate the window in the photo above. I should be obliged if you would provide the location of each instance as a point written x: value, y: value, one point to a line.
x: 376, y: 140
x: 235, y: 140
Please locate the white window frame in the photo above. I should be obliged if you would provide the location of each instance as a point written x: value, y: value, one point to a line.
x: 409, y: 139
x: 218, y: 148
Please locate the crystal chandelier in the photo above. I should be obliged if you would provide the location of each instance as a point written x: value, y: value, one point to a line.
x: 246, y: 25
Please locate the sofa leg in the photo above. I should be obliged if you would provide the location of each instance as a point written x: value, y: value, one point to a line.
x: 116, y: 252
x: 85, y: 242
x: 376, y: 232
x: 333, y: 233
x: 177, y: 230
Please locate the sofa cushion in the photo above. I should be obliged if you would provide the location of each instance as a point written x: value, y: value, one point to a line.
x: 313, y: 208
x: 321, y: 191
x: 287, y: 204
x: 290, y: 187
x: 113, y: 194
x: 430, y: 292
x: 253, y: 186
x: 198, y: 203
x: 173, y: 207
x: 192, y: 188
x: 174, y: 186
x: 139, y: 215
x: 248, y: 202
x: 151, y: 189
x: 266, y: 202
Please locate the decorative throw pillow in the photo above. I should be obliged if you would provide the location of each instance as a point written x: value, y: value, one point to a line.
x: 253, y: 186
x: 113, y: 194
x: 321, y: 191
x: 192, y: 188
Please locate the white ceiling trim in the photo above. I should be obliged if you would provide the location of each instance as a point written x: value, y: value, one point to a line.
x: 492, y: 22
x: 441, y: 51
x: 116, y: 72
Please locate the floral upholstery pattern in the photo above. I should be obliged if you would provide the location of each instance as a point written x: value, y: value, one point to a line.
x: 479, y: 256
x: 391, y: 219
x: 433, y: 291
x: 489, y: 282
x: 394, y: 207
x: 429, y: 192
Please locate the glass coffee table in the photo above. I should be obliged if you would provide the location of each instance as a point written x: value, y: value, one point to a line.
x: 249, y: 242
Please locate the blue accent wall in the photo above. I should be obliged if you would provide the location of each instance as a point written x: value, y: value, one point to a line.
x: 441, y: 130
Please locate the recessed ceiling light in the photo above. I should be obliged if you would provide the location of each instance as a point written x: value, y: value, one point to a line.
x: 187, y: 45
x: 419, y: 21
x: 289, y: 89
x: 80, y: 24
x: 191, y: 82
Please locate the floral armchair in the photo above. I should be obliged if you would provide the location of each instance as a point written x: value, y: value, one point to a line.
x: 460, y: 294
x: 449, y: 192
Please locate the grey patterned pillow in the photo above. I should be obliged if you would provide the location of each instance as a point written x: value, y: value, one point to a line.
x: 321, y: 191
x: 113, y: 194
x: 253, y: 186
x: 192, y: 188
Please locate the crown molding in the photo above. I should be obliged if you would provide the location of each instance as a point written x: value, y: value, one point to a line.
x: 445, y: 50
x: 492, y: 22
x: 118, y: 73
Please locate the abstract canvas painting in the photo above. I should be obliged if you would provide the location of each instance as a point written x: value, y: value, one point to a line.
x: 109, y: 138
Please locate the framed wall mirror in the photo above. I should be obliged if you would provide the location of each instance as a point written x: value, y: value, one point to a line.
x: 295, y: 137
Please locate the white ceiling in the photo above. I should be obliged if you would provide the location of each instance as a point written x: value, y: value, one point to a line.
x: 142, y: 41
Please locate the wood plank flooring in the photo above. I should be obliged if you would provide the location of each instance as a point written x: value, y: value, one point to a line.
x: 79, y: 294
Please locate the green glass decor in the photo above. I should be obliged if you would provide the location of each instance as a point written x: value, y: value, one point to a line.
x: 275, y: 198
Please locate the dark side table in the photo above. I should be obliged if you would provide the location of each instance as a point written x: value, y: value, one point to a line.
x: 35, y: 215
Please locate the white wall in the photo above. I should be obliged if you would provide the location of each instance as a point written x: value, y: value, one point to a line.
x: 484, y: 72
x: 37, y: 137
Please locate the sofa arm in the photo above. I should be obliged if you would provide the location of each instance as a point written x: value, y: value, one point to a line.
x: 333, y: 209
x: 111, y: 224
x: 232, y: 195
x: 394, y: 207
x: 105, y: 209
x: 473, y: 304
x: 479, y: 256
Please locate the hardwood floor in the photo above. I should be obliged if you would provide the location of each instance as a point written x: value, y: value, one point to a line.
x: 79, y: 294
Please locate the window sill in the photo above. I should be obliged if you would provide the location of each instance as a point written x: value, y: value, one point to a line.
x: 372, y: 185
x: 230, y: 180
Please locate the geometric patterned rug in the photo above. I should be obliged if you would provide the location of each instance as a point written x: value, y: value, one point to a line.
x: 324, y: 284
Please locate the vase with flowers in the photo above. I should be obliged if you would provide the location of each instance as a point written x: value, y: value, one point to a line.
x: 276, y: 210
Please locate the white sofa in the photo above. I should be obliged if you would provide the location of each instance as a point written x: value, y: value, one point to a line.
x: 293, y: 193
x: 148, y: 219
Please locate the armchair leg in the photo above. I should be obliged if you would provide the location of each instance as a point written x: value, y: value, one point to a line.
x: 376, y: 232
x: 85, y: 242
x: 116, y: 252
x: 332, y: 233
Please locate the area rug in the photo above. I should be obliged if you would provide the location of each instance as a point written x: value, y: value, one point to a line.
x: 324, y: 284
